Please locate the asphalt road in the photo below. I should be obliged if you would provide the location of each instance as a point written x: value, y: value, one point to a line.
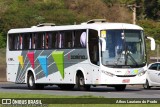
x: 108, y: 92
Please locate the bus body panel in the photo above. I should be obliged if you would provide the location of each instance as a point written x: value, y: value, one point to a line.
x: 123, y: 75
x: 74, y: 60
x: 96, y: 26
x: 12, y: 65
x: 60, y: 66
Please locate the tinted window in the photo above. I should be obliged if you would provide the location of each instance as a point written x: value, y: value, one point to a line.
x: 79, y: 39
x: 51, y: 40
x: 158, y: 67
x: 17, y: 41
x: 48, y: 40
x: 153, y: 67
x: 26, y: 41
x: 12, y: 42
x: 93, y: 46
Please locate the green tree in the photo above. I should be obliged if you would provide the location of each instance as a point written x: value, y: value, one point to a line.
x: 141, y: 10
x: 2, y: 41
x: 152, y: 9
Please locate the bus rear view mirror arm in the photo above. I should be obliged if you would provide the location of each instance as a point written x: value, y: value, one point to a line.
x: 103, y: 44
x: 153, y: 44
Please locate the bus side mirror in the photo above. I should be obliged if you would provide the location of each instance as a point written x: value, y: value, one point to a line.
x: 103, y: 44
x: 153, y: 44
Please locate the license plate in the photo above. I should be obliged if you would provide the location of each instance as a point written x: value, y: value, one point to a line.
x: 126, y: 81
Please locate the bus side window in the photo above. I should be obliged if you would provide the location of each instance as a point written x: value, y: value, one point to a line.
x: 43, y: 41
x: 52, y: 40
x: 16, y: 42
x: 93, y: 47
x: 33, y: 41
x: 30, y: 41
x: 40, y: 41
x: 12, y: 43
x: 83, y: 39
x: 59, y: 40
x: 68, y: 39
x: 46, y: 40
x: 49, y: 40
x: 36, y: 41
x: 76, y: 37
x: 73, y: 39
x: 20, y: 41
x: 25, y: 41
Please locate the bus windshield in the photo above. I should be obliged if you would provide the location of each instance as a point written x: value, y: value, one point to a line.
x: 124, y: 48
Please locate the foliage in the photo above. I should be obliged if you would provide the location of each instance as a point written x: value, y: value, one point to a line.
x: 152, y: 29
x: 2, y: 41
x: 27, y: 13
x: 91, y: 9
x: 152, y: 9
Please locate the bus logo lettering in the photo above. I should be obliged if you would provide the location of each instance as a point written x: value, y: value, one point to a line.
x: 10, y: 59
x: 78, y: 57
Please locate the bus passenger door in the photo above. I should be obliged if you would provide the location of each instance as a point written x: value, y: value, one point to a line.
x: 93, y: 50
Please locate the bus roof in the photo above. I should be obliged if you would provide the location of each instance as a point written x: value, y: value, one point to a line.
x: 96, y: 26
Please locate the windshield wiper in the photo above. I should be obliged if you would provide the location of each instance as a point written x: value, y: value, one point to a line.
x: 127, y: 53
x: 119, y: 57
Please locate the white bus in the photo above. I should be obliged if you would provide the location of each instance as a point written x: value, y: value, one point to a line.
x: 92, y: 53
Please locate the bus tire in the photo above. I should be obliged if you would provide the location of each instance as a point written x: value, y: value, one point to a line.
x: 146, y: 85
x: 31, y: 82
x: 80, y: 83
x: 120, y: 87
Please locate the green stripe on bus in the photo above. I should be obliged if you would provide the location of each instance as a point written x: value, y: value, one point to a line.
x: 58, y: 57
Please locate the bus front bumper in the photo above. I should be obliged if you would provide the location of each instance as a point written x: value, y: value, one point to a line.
x: 108, y: 80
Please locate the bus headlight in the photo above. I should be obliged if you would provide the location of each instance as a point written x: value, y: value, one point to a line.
x: 108, y: 73
x: 142, y: 73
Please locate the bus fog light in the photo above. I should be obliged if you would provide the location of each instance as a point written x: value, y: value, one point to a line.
x: 108, y: 73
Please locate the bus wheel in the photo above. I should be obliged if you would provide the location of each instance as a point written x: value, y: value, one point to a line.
x: 66, y: 86
x: 146, y: 85
x: 31, y: 83
x: 120, y: 87
x: 80, y: 84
